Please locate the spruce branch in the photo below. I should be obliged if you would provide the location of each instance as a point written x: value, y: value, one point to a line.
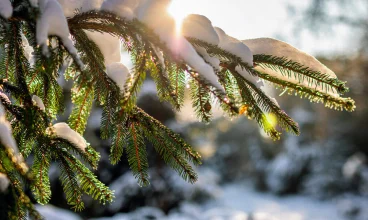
x: 88, y: 155
x: 40, y: 169
x: 295, y: 70
x: 118, y: 143
x: 170, y: 154
x: 87, y: 180
x: 82, y: 97
x: 71, y: 187
x: 136, y: 152
x: 267, y: 105
x: 177, y: 79
x: 200, y: 101
x: 336, y: 102
x: 181, y: 145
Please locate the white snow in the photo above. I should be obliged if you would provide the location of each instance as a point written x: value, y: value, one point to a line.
x: 33, y: 3
x: 37, y: 101
x: 199, y: 27
x: 122, y: 8
x: 70, y: 6
x: 28, y: 50
x: 6, y: 9
x: 241, y: 50
x: 2, y: 112
x: 353, y: 165
x: 235, y: 46
x: 243, y: 198
x: 109, y: 45
x: 6, y: 136
x: 213, y: 61
x: 118, y: 73
x: 62, y: 130
x: 239, y: 201
x: 4, y: 182
x: 53, y: 22
x: 164, y: 27
x: 278, y: 48
x: 159, y: 55
x: 50, y: 212
x: 255, y: 80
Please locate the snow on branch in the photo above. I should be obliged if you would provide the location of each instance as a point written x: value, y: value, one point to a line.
x: 37, y: 101
x: 62, y: 130
x: 164, y: 27
x: 200, y: 27
x: 286, y: 62
x: 6, y: 9
x: 236, y: 47
x: 53, y: 22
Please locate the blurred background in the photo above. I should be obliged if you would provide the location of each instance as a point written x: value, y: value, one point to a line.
x: 322, y: 174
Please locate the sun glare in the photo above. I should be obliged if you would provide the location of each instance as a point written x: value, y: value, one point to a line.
x: 178, y: 12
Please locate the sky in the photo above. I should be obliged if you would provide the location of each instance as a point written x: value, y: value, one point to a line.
x: 245, y: 19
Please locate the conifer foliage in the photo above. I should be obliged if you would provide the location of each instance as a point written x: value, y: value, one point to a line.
x: 43, y: 40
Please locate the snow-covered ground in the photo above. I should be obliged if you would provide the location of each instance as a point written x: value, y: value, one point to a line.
x: 296, y: 207
x: 235, y: 202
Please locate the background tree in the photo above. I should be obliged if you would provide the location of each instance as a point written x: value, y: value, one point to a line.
x: 42, y: 40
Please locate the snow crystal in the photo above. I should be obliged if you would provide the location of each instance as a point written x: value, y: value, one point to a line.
x: 70, y: 6
x: 4, y: 182
x: 278, y: 48
x: 164, y: 26
x: 199, y: 27
x: 62, y: 130
x: 6, y: 9
x: 53, y: 22
x: 118, y: 73
x: 122, y: 8
x: 37, y: 101
x: 108, y: 44
x: 6, y: 136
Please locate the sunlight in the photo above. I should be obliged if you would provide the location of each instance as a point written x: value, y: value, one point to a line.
x: 178, y: 12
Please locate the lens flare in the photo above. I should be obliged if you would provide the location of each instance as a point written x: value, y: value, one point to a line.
x: 175, y: 9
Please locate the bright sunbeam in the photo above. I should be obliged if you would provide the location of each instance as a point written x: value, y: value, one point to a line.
x: 178, y: 12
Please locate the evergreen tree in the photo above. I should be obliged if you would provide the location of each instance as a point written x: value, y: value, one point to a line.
x: 41, y: 40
